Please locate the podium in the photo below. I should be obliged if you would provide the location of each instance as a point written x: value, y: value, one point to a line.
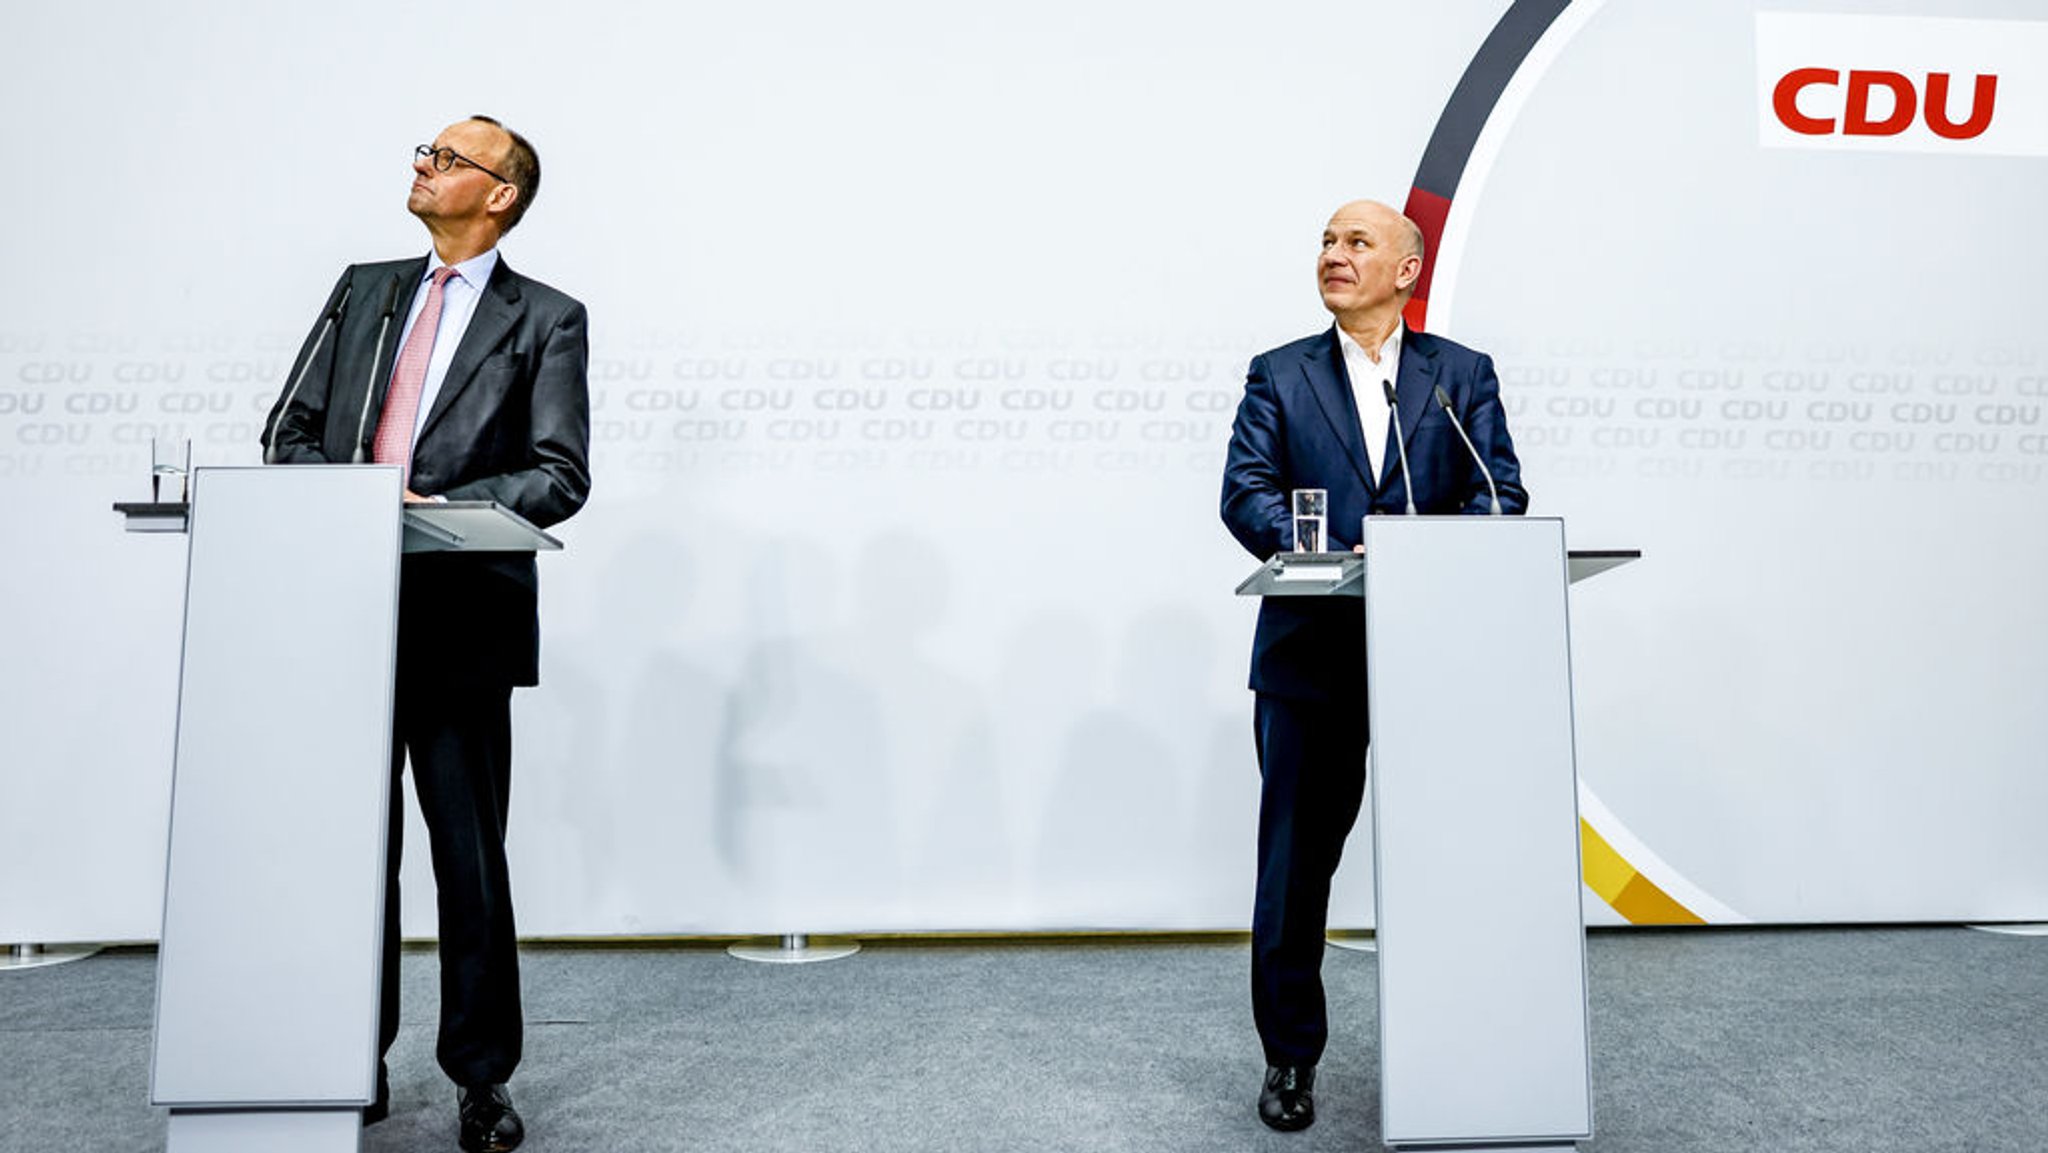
x: 269, y: 964
x: 1472, y: 782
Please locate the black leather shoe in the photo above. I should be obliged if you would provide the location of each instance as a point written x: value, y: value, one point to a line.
x: 379, y: 1109
x: 1288, y: 1102
x: 489, y: 1122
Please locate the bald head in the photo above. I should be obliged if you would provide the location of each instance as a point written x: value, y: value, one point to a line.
x: 1370, y: 262
x: 1385, y: 222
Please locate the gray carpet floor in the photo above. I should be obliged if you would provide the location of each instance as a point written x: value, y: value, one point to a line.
x: 1922, y: 1039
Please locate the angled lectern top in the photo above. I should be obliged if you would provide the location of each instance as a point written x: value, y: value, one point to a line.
x: 430, y: 526
x: 472, y: 526
x: 1342, y: 574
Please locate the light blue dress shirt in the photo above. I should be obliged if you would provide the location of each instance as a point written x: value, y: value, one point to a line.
x: 458, y: 304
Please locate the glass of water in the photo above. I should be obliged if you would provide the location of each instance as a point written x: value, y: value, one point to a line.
x: 1311, y: 519
x: 169, y: 460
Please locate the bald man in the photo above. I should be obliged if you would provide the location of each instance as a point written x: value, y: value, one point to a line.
x: 472, y: 378
x: 1315, y: 415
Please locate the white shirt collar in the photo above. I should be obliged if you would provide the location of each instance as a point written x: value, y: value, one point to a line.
x: 475, y: 272
x: 1389, y: 353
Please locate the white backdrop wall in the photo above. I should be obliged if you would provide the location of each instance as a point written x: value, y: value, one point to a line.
x: 901, y: 602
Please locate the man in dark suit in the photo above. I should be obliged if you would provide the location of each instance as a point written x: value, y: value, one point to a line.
x: 1309, y: 413
x: 472, y: 378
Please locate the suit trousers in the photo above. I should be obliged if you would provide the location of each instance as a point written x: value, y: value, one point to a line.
x: 460, y: 746
x: 1312, y: 773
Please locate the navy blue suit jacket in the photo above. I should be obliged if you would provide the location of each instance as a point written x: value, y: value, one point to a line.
x: 1298, y: 427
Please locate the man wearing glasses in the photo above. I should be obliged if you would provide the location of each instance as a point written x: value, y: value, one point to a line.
x: 471, y: 377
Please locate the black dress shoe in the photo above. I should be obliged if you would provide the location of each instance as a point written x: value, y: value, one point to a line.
x: 379, y: 1109
x: 489, y: 1122
x: 1288, y: 1102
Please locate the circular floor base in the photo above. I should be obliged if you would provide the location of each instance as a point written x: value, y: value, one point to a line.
x: 42, y: 956
x: 796, y: 949
x: 1353, y: 940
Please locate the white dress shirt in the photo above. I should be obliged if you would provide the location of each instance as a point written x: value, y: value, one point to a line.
x: 1367, y: 375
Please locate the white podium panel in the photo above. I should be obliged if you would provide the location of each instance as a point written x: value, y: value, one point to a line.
x: 1482, y: 965
x: 273, y: 905
x: 296, y: 1130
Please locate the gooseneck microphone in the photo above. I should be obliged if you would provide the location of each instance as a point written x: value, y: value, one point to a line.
x: 291, y: 394
x: 376, y: 358
x: 1493, y: 493
x: 1394, y: 415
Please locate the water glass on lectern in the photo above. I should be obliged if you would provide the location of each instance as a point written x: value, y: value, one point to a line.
x: 169, y: 460
x: 1311, y: 518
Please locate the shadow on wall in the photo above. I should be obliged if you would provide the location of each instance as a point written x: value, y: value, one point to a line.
x: 842, y: 776
x: 1124, y: 830
x: 959, y: 859
x: 628, y: 730
x: 804, y: 811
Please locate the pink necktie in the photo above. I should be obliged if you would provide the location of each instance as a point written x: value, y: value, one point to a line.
x: 393, y: 443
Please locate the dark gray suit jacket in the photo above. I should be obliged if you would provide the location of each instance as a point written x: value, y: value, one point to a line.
x: 510, y: 424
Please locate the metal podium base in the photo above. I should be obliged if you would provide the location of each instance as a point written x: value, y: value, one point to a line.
x: 2028, y: 930
x: 43, y: 956
x: 264, y: 1130
x: 1353, y: 940
x: 794, y: 949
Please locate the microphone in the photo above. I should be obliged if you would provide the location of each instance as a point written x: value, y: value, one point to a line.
x: 339, y: 302
x: 1444, y: 401
x: 1394, y: 415
x: 377, y: 357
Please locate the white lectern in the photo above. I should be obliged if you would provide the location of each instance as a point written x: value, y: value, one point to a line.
x: 1474, y: 808
x: 269, y: 964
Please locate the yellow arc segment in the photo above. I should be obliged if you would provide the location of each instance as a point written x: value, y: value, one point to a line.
x: 1627, y: 891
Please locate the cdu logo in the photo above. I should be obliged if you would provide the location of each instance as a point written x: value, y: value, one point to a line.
x: 1858, y: 117
x: 1902, y: 84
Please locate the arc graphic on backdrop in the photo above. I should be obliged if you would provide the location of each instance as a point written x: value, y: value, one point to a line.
x: 1616, y: 865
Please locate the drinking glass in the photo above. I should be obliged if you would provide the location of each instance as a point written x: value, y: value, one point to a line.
x: 1311, y: 519
x: 169, y: 460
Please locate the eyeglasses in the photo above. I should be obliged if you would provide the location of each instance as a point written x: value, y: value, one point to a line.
x: 445, y: 158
